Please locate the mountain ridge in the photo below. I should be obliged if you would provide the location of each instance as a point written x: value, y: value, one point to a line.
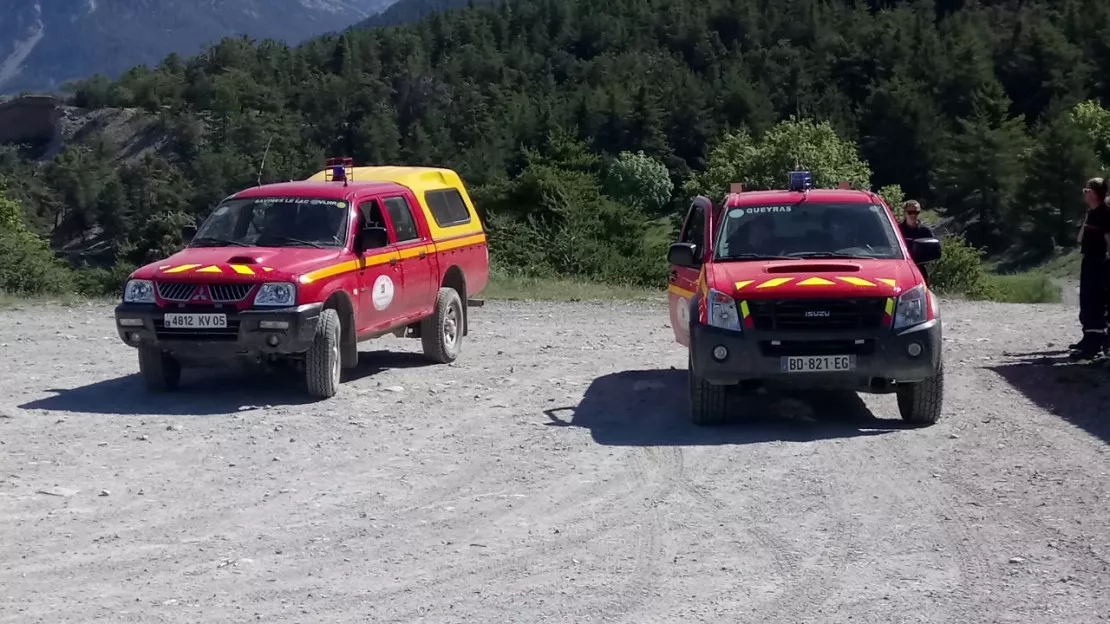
x: 46, y: 44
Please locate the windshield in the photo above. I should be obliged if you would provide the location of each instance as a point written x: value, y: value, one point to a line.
x: 807, y: 230
x: 275, y: 222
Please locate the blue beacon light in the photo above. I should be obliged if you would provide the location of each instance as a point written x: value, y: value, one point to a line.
x: 800, y: 181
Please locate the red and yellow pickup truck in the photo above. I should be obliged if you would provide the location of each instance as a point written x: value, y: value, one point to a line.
x: 304, y: 271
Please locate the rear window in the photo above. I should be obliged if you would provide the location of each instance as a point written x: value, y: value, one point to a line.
x: 448, y: 207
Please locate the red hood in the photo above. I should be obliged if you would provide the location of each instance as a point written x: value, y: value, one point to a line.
x: 812, y: 278
x: 239, y: 264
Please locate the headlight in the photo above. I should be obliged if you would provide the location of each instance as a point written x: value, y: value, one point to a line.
x: 912, y: 308
x: 722, y: 311
x: 138, y: 291
x: 276, y: 294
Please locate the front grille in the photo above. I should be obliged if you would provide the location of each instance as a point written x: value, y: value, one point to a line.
x: 175, y: 291
x: 817, y: 314
x: 182, y: 292
x: 227, y: 334
x: 229, y: 293
x: 817, y: 347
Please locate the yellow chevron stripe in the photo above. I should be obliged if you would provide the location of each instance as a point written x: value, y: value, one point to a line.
x: 772, y: 283
x: 182, y: 268
x: 888, y: 281
x: 242, y: 269
x: 268, y: 269
x: 816, y: 281
x: 210, y: 269
x: 741, y: 285
x: 856, y: 281
x: 681, y: 292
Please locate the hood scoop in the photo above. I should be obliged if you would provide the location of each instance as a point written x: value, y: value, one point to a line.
x: 242, y: 260
x: 814, y: 267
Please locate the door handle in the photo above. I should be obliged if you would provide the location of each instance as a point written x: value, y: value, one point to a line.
x: 423, y: 254
x: 393, y: 261
x: 674, y: 276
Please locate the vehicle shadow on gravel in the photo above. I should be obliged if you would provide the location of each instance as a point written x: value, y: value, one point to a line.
x: 651, y: 408
x: 1077, y: 392
x: 209, y: 392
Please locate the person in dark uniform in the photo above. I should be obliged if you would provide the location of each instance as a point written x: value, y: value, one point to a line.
x: 1094, y: 243
x: 912, y: 228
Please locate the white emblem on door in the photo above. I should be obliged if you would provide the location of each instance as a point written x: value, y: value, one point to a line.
x: 683, y: 313
x: 383, y: 292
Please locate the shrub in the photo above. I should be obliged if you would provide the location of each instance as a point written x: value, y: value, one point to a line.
x: 960, y: 270
x: 28, y: 267
x: 101, y: 282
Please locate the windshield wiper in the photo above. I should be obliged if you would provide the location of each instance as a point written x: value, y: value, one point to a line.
x: 216, y: 242
x: 299, y: 241
x: 754, y: 256
x: 828, y: 254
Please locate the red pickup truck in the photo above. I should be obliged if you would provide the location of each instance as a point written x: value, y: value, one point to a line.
x: 303, y: 271
x: 805, y: 288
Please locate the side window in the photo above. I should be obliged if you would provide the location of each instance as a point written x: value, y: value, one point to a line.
x: 448, y: 207
x: 400, y: 213
x: 370, y: 214
x: 693, y: 231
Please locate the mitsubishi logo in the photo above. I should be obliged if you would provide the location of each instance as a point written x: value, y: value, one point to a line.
x: 201, y: 294
x: 816, y: 313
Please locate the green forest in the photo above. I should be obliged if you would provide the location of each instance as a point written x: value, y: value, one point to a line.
x: 583, y: 129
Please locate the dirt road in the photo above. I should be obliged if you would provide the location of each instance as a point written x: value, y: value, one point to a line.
x: 551, y: 475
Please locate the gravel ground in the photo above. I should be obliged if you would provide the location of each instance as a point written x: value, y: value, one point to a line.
x: 521, y: 484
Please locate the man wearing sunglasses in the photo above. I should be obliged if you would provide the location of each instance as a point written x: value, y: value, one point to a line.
x: 912, y: 228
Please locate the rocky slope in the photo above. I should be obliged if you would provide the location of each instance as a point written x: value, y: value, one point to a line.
x: 44, y: 44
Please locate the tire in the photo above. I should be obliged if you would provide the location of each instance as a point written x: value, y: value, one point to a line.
x: 921, y: 403
x: 160, y: 370
x: 441, y: 333
x: 323, y: 364
x: 708, y: 402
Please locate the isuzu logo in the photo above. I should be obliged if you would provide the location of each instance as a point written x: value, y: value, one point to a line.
x: 817, y: 313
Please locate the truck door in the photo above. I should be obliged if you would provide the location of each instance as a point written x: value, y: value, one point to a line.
x: 417, y: 266
x: 683, y: 281
x: 381, y: 282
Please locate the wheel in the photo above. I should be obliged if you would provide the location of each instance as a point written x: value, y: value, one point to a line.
x: 920, y: 403
x: 708, y: 402
x: 160, y: 370
x: 441, y: 333
x: 322, y: 362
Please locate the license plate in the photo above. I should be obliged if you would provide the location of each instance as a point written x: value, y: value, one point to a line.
x: 195, y: 321
x: 818, y: 363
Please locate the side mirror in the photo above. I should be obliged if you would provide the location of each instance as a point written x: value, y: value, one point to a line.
x: 373, y: 238
x: 683, y: 255
x: 924, y: 250
x: 188, y: 232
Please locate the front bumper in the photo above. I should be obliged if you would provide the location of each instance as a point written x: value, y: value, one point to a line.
x: 882, y: 356
x: 142, y: 325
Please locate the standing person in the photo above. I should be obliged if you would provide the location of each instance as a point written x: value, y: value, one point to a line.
x: 912, y: 228
x: 1094, y: 244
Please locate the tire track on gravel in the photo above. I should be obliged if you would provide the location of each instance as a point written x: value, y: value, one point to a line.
x: 805, y: 589
x: 808, y: 588
x: 939, y: 513
x: 639, y: 487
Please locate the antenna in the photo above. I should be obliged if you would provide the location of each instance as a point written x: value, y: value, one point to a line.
x: 264, y: 154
